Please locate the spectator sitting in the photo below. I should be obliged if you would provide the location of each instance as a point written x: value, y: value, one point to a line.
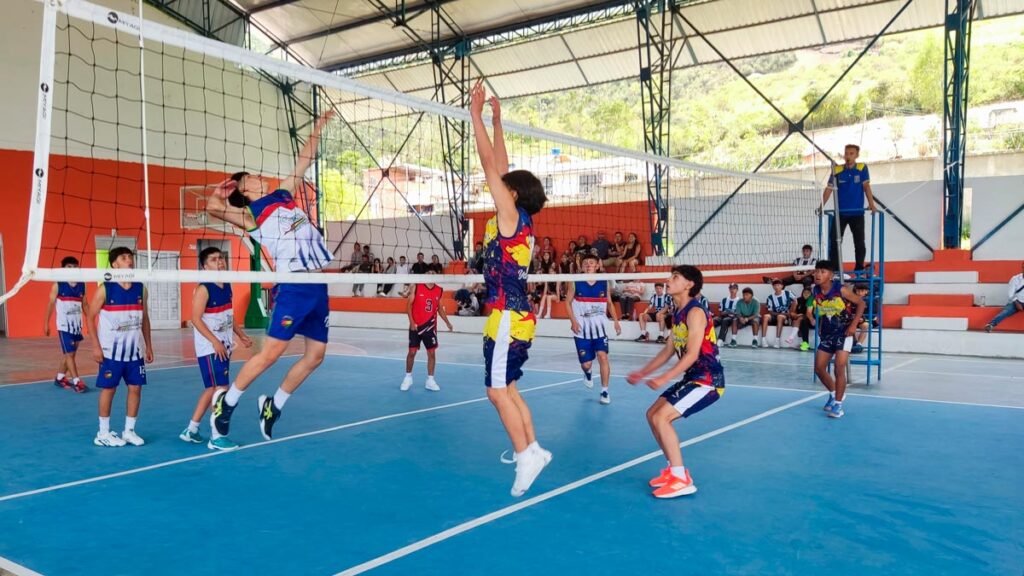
x: 601, y: 247
x: 391, y: 268
x: 467, y: 302
x: 545, y: 246
x: 630, y: 254
x: 630, y: 292
x: 1014, y: 304
x: 367, y: 252
x: 355, y: 258
x: 727, y: 317
x: 403, y: 268
x: 435, y: 265
x: 805, y: 322
x: 615, y: 251
x: 365, y: 267
x: 549, y: 292
x: 565, y: 266
x: 748, y: 312
x: 378, y: 268
x: 659, y: 304
x: 804, y: 277
x: 781, y: 306
x: 582, y: 248
x: 862, y: 290
x: 419, y: 267
x: 476, y: 264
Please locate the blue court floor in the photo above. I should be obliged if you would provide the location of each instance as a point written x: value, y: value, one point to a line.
x: 922, y: 476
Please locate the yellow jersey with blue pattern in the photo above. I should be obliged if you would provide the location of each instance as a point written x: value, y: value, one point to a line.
x: 707, y: 370
x: 506, y: 264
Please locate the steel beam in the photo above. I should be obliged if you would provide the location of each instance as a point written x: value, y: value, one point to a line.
x: 959, y: 16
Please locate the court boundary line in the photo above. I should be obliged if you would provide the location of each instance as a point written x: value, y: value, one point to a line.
x: 750, y: 386
x: 158, y: 368
x: 215, y: 453
x: 16, y: 569
x: 509, y: 510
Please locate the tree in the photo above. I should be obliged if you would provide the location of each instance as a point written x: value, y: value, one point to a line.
x: 343, y: 194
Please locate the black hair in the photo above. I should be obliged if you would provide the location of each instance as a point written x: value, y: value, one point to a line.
x: 693, y: 274
x: 206, y: 253
x: 658, y: 285
x: 824, y: 265
x: 116, y: 253
x: 68, y: 261
x: 777, y: 281
x: 590, y: 256
x: 528, y: 188
x: 808, y: 247
x: 863, y: 287
x: 854, y: 146
x: 747, y: 290
x: 236, y: 198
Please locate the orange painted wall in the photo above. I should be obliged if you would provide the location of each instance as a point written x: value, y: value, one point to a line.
x: 565, y: 223
x: 89, y: 197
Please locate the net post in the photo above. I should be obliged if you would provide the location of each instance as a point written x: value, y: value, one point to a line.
x: 145, y: 149
x: 254, y: 314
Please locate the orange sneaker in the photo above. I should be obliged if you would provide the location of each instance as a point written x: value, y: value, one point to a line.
x: 662, y: 479
x: 676, y: 487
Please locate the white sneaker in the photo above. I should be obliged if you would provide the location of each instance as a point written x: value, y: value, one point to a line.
x: 778, y: 344
x: 132, y: 438
x: 528, y: 466
x: 764, y: 343
x: 721, y: 342
x: 432, y: 385
x: 789, y: 341
x: 406, y: 383
x: 110, y: 439
x: 588, y: 382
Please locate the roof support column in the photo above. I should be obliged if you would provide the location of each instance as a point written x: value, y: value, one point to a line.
x: 959, y: 16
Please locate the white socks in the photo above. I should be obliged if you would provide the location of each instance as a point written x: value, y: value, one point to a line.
x: 193, y: 426
x: 679, y: 472
x: 104, y: 425
x: 129, y: 423
x: 280, y: 397
x: 232, y: 396
x: 61, y: 375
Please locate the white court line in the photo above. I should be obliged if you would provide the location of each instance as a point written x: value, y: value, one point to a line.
x: 498, y: 514
x: 16, y: 569
x: 966, y: 375
x: 900, y: 365
x: 148, y: 370
x: 753, y: 386
x: 213, y: 454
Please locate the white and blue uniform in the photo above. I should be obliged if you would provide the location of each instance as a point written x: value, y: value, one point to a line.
x: 120, y: 334
x: 294, y: 245
x: 219, y: 317
x: 780, y: 303
x: 69, y: 315
x: 727, y: 307
x: 590, y: 306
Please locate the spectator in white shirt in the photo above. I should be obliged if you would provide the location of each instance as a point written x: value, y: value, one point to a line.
x: 800, y: 276
x: 781, y: 306
x: 1015, y: 302
x: 659, y: 309
x: 726, y: 316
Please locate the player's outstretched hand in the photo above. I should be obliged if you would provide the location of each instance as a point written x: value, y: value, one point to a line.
x: 225, y: 188
x: 149, y: 355
x: 495, y: 110
x: 476, y: 99
x: 635, y: 377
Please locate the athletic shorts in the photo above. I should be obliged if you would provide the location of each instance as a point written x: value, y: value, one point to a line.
x: 507, y: 338
x: 831, y: 343
x: 299, y: 309
x: 133, y: 372
x: 688, y: 397
x: 587, y: 348
x: 216, y: 372
x: 425, y: 334
x: 773, y: 317
x: 68, y: 341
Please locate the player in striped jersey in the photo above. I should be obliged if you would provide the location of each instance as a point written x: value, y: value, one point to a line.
x: 69, y: 300
x: 781, y: 306
x: 590, y: 304
x: 120, y: 323
x: 727, y: 317
x: 423, y: 306
x: 695, y: 348
x: 213, y: 331
x: 293, y: 245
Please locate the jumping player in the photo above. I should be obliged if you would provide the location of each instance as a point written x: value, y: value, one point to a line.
x: 509, y: 330
x: 69, y: 300
x: 836, y: 328
x: 423, y: 306
x: 694, y: 344
x: 590, y: 303
x: 295, y: 246
x: 119, y: 318
x: 214, y: 331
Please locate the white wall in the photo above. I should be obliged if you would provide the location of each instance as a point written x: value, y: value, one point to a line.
x: 919, y: 206
x: 200, y: 113
x: 992, y: 200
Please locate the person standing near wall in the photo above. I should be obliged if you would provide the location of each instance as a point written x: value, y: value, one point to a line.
x: 851, y: 183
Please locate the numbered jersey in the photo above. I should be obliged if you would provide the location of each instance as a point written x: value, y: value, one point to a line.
x: 425, y: 304
x: 120, y: 323
x: 292, y: 242
x: 69, y: 307
x: 590, y: 306
x: 219, y: 317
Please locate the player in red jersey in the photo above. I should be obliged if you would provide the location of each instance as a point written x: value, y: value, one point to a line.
x: 424, y: 305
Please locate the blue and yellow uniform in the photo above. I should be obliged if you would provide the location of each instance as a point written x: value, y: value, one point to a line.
x: 704, y: 381
x: 833, y: 316
x: 849, y: 184
x: 511, y: 325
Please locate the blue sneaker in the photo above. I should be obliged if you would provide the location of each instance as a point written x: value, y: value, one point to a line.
x: 857, y: 349
x: 836, y: 411
x: 191, y: 437
x: 268, y: 416
x: 222, y: 443
x: 830, y: 403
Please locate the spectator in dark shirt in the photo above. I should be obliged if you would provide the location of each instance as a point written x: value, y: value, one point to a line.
x: 477, y: 262
x: 419, y: 267
x: 435, y: 265
x: 601, y: 246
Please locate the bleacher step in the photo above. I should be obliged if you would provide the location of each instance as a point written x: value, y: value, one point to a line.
x: 946, y: 277
x: 934, y: 323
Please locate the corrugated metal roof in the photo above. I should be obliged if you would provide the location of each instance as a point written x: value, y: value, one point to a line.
x: 597, y: 53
